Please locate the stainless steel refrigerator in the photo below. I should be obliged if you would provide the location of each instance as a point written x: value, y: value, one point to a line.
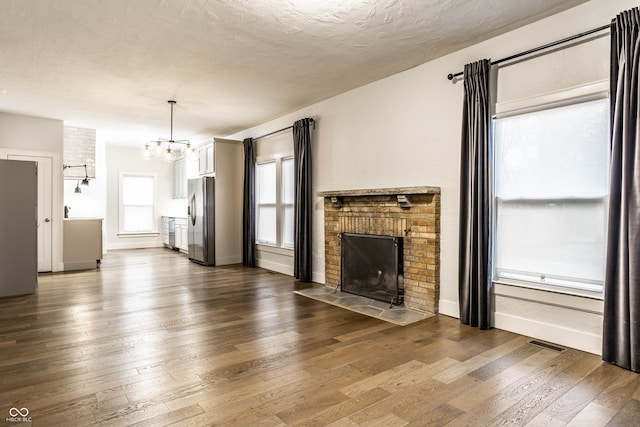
x: 201, y: 193
x: 18, y: 227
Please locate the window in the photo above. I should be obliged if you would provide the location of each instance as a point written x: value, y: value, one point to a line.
x: 287, y: 202
x: 266, y: 203
x: 137, y: 203
x: 550, y: 197
x: 274, y: 202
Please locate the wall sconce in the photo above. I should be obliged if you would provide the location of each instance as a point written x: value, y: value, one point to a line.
x: 84, y: 182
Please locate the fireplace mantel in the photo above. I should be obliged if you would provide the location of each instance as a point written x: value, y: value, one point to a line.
x: 380, y: 191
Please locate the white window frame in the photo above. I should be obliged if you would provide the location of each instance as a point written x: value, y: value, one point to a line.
x: 585, y: 93
x: 279, y: 246
x: 121, y: 205
x: 284, y: 205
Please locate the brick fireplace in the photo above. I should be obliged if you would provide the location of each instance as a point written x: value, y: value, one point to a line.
x: 412, y: 213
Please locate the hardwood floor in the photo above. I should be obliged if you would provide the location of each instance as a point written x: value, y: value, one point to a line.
x: 152, y: 339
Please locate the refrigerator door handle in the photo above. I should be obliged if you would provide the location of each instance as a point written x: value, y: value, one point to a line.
x: 192, y: 209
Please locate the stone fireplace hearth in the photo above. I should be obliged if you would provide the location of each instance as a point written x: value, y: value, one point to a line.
x: 412, y: 213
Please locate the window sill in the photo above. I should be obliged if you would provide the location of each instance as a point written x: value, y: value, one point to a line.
x: 556, y: 288
x: 135, y: 234
x: 587, y: 301
x: 274, y: 250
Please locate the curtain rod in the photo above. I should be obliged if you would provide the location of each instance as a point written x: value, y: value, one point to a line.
x: 539, y: 48
x: 280, y: 130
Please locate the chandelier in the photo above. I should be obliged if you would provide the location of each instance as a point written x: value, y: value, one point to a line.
x: 164, y: 148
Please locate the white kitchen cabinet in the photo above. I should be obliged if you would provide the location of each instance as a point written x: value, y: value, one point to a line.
x: 178, y: 241
x: 82, y: 246
x: 165, y: 230
x: 206, y: 165
x: 175, y: 233
x: 185, y: 239
x: 182, y: 234
x: 180, y: 178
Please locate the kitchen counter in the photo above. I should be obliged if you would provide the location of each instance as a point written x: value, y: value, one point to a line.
x: 80, y: 218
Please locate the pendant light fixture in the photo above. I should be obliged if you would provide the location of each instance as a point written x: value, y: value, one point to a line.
x: 164, y: 148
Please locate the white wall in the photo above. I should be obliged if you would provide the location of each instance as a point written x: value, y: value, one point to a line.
x: 127, y: 159
x: 229, y: 158
x: 38, y: 135
x: 31, y: 133
x: 405, y: 130
x: 92, y: 202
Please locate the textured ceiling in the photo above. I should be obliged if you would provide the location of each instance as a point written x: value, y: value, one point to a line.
x: 112, y: 65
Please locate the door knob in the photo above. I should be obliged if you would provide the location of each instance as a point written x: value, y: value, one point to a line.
x: 47, y: 220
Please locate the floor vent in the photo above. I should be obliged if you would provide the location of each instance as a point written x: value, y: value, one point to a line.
x: 547, y: 345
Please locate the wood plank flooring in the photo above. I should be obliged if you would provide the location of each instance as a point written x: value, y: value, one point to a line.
x: 152, y: 339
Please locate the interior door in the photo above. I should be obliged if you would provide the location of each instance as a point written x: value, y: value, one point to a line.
x: 45, y: 191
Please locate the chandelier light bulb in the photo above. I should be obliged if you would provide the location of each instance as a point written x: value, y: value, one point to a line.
x: 169, y: 155
x: 158, y: 149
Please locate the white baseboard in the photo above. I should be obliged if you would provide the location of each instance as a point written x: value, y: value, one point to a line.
x: 286, y: 269
x: 580, y: 340
x: 81, y: 265
x: 449, y: 308
x: 229, y: 260
x: 275, y: 266
x: 133, y: 245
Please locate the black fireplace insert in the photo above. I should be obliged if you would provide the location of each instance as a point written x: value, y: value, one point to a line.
x: 371, y: 266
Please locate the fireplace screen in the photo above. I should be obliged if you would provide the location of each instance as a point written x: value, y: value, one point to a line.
x: 372, y: 266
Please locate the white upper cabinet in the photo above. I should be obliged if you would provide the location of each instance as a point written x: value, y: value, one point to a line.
x: 180, y: 178
x: 206, y: 158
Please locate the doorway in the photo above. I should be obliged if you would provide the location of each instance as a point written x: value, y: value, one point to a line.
x: 45, y: 203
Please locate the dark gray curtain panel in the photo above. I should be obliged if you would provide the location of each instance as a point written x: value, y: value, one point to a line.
x: 303, y: 200
x: 621, y: 329
x: 474, y: 251
x: 249, y: 205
